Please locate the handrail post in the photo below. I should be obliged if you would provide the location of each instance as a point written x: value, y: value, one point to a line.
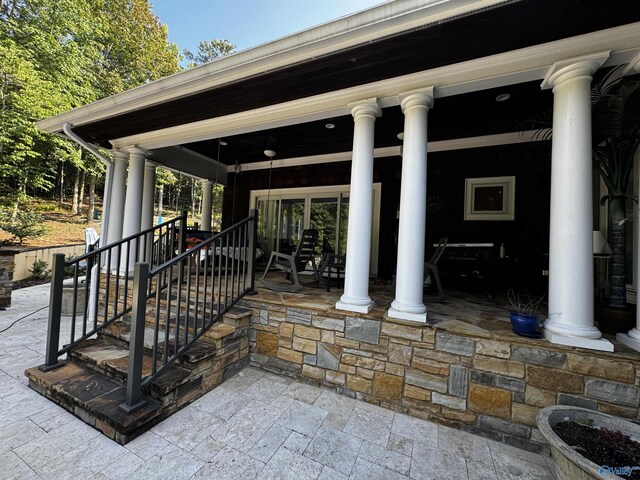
x: 134, y: 399
x: 251, y: 250
x: 55, y: 310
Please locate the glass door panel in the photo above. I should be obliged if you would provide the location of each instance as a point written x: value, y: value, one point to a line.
x: 291, y: 223
x: 343, y: 224
x: 267, y: 225
x: 324, y: 218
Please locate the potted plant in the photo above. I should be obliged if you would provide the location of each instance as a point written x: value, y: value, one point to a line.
x: 615, y: 114
x: 524, y: 313
x: 586, y: 444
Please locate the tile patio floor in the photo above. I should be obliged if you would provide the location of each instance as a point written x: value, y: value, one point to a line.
x: 256, y: 425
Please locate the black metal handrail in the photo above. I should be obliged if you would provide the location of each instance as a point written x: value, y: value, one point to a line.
x: 108, y: 267
x: 188, y: 294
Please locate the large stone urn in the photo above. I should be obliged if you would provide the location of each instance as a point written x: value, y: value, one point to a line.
x: 569, y: 464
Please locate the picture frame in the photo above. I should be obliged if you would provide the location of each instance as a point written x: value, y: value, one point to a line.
x: 490, y: 198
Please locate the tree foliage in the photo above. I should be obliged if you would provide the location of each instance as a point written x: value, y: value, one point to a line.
x: 56, y: 55
x: 209, y: 50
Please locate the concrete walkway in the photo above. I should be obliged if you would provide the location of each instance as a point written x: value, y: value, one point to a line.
x: 256, y: 425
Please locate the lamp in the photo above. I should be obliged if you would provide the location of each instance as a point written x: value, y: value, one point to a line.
x: 600, y: 244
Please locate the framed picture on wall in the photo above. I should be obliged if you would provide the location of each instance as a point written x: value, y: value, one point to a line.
x: 490, y: 198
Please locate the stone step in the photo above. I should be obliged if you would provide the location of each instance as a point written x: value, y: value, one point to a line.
x: 95, y: 399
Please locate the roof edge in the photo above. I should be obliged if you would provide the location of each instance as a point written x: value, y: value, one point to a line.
x: 348, y: 31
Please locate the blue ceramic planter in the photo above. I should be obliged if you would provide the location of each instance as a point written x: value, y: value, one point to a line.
x: 525, y: 325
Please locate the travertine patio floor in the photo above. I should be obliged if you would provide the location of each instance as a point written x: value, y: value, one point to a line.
x: 256, y: 425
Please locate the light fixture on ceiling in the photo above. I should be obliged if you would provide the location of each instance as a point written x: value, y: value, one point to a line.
x: 270, y: 153
x: 329, y: 126
x: 400, y: 136
x: 503, y: 97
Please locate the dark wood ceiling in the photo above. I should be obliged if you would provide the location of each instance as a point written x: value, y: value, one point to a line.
x: 467, y: 115
x: 507, y: 27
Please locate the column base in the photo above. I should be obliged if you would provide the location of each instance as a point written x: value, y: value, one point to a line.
x: 402, y: 315
x: 628, y: 341
x: 582, y: 342
x: 350, y: 307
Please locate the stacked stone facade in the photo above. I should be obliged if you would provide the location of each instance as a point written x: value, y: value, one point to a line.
x: 7, y: 266
x: 493, y: 384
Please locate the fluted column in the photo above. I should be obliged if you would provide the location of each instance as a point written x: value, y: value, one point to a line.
x: 356, y: 283
x: 408, y: 303
x: 133, y: 204
x: 571, y: 320
x: 148, y: 202
x: 118, y: 191
x: 206, y: 204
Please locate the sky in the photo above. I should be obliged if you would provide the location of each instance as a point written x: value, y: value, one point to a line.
x: 247, y: 23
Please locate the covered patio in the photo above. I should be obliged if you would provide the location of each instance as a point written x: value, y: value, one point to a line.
x: 385, y: 131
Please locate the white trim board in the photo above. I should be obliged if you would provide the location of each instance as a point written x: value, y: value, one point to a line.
x: 386, y: 19
x: 439, y: 146
x: 517, y: 66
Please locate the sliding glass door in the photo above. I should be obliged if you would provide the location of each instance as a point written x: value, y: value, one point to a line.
x: 284, y: 213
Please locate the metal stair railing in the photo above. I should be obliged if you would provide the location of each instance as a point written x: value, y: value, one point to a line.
x: 108, y: 267
x: 193, y: 292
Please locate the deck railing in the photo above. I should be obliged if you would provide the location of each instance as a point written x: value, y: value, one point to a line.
x: 99, y: 287
x: 187, y: 295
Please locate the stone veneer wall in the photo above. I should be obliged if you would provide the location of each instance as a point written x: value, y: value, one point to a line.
x: 491, y: 386
x: 7, y: 266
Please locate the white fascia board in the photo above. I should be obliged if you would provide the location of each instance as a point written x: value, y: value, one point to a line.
x: 516, y: 66
x: 437, y: 146
x: 377, y: 22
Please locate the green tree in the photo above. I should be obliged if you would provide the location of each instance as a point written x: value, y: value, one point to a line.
x: 209, y: 50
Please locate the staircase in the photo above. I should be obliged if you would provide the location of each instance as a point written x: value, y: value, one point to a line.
x: 143, y: 346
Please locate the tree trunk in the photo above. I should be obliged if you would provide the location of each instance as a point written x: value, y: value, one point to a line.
x: 178, y: 194
x: 617, y: 236
x: 160, y: 198
x: 92, y: 197
x: 61, y: 182
x: 81, y: 193
x: 193, y: 198
x: 74, y: 198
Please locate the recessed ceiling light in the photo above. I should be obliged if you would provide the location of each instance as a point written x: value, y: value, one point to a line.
x: 503, y: 97
x: 400, y: 136
x: 329, y: 126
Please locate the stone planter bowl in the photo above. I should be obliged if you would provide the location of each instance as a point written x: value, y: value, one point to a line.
x: 569, y: 464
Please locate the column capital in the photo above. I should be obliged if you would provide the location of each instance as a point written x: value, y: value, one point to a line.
x: 138, y: 151
x: 121, y: 155
x: 149, y: 164
x: 368, y: 107
x: 206, y: 181
x: 415, y: 98
x: 573, y: 68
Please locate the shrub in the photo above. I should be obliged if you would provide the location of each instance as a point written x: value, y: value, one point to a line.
x: 24, y: 225
x: 39, y: 270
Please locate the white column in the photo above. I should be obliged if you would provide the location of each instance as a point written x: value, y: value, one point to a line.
x: 408, y: 304
x: 118, y: 189
x: 206, y: 204
x: 133, y: 203
x: 571, y: 299
x: 632, y: 339
x: 148, y: 202
x: 356, y: 282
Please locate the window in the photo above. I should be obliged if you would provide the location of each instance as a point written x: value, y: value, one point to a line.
x: 490, y: 198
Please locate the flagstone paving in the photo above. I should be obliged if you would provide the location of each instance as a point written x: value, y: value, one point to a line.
x: 257, y: 425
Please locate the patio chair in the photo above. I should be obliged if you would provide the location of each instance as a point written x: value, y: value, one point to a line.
x: 294, y: 264
x: 431, y: 268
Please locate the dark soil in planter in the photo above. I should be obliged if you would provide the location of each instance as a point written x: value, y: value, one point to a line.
x: 602, y: 446
x: 29, y: 283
